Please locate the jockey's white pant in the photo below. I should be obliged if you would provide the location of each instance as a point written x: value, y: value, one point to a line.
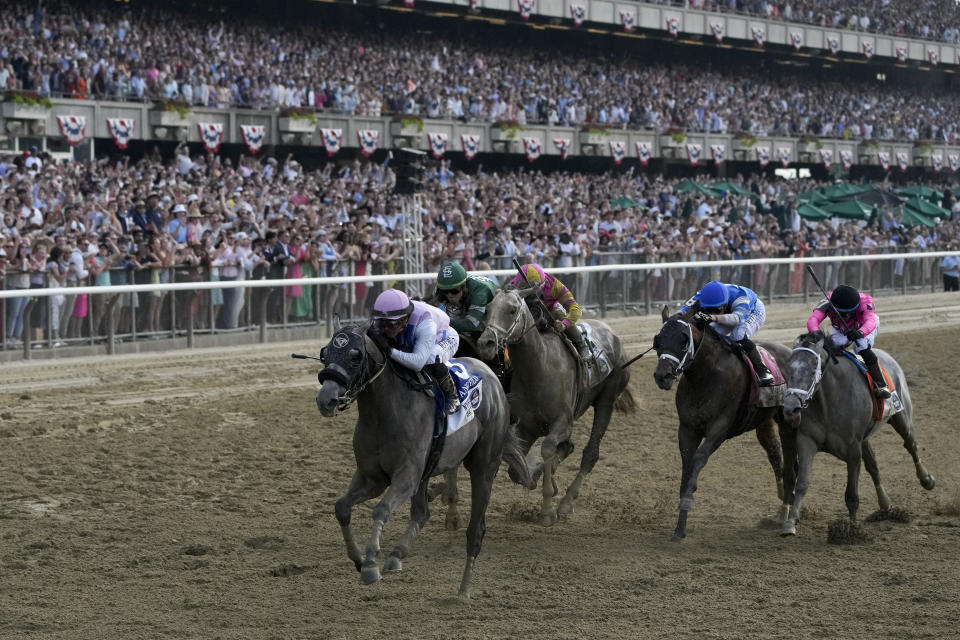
x: 746, y: 328
x: 866, y: 342
x: 447, y: 345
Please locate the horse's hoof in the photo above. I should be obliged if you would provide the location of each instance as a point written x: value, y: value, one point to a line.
x: 393, y: 565
x: 928, y: 483
x: 452, y: 523
x: 565, y: 508
x: 788, y: 530
x: 370, y: 575
x: 548, y: 518
x: 677, y: 537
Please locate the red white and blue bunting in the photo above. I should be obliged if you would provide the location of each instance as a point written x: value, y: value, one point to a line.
x: 368, y: 139
x: 846, y: 158
x: 763, y: 156
x: 438, y: 144
x: 73, y: 128
x: 933, y: 56
x: 901, y: 54
x: 759, y: 35
x: 884, y: 159
x: 796, y: 39
x: 121, y: 130
x: 211, y: 133
x: 719, y: 152
x: 902, y: 160
x: 954, y: 160
x: 618, y: 149
x: 937, y: 160
x: 784, y: 154
x: 693, y: 153
x: 470, y: 144
x: 717, y: 29
x: 827, y: 156
x: 531, y: 147
x: 526, y: 8
x: 644, y: 152
x: 628, y: 20
x: 578, y: 13
x: 833, y: 44
x: 563, y: 144
x: 673, y: 26
x: 253, y: 136
x: 332, y: 140
x: 473, y: 6
x: 867, y: 47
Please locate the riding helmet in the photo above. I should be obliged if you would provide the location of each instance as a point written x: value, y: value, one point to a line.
x: 451, y: 276
x: 713, y: 295
x: 534, y: 272
x: 392, y: 305
x: 845, y: 299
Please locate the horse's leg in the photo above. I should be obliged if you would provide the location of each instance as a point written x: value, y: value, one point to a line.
x: 694, y: 453
x: 403, y: 487
x: 602, y: 411
x: 450, y: 499
x: 904, y: 426
x: 481, y: 482
x: 549, y: 451
x: 806, y: 448
x: 788, y: 447
x: 419, y: 514
x: 768, y: 439
x: 870, y: 462
x: 852, y: 495
x: 361, y: 488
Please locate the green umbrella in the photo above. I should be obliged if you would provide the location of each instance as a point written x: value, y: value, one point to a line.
x: 911, y: 218
x: 853, y: 209
x: 622, y: 202
x: 813, y: 212
x: 732, y: 187
x: 921, y: 191
x: 689, y: 186
x: 927, y: 208
x: 812, y: 196
x: 840, y: 190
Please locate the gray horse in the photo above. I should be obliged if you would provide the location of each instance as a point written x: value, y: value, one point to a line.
x: 544, y: 392
x: 712, y: 400
x: 392, y: 442
x: 829, y: 407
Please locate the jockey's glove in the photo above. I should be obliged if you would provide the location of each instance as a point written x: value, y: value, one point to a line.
x: 854, y: 334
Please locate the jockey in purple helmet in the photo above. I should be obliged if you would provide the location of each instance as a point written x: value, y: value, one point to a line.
x: 737, y: 313
x: 418, y: 336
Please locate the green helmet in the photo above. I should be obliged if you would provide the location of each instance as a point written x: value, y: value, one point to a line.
x: 451, y: 276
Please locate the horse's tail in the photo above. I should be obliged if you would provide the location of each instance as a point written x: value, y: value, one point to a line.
x: 516, y: 461
x: 625, y: 402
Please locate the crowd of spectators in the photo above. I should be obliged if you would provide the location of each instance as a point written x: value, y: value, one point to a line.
x: 202, y: 217
x: 119, y: 52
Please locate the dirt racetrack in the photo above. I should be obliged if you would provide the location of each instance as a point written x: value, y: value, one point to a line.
x: 190, y: 495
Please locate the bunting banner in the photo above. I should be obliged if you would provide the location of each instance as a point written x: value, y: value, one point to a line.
x: 846, y: 159
x: 933, y: 56
x: 673, y: 26
x: 884, y: 159
x: 409, y: 3
x: 578, y: 13
x: 121, y: 130
x: 833, y: 44
x: 954, y: 160
x: 526, y: 8
x: 901, y: 54
x: 719, y: 151
x: 759, y: 35
x: 784, y: 154
x: 253, y: 135
x: 796, y: 39
x: 902, y: 160
x: 470, y: 145
x: 827, y: 156
x: 937, y: 160
x: 368, y: 139
x: 438, y: 144
x: 693, y: 153
x: 628, y: 20
x: 532, y: 148
x: 563, y: 144
x: 73, y: 128
x: 473, y: 5
x: 867, y: 47
x: 211, y: 133
x: 763, y: 156
x: 618, y: 149
x: 332, y: 138
x: 717, y: 29
x: 643, y: 152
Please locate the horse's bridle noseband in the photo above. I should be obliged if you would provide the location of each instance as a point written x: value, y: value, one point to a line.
x: 805, y: 394
x: 352, y: 385
x: 501, y: 334
x: 688, y: 356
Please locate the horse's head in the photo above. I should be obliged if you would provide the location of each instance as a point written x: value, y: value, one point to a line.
x: 676, y: 345
x: 507, y: 321
x: 804, y: 370
x: 345, y: 372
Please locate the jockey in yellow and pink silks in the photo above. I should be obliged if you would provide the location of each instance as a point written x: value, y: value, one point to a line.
x: 556, y: 293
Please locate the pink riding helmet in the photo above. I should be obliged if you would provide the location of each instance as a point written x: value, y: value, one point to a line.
x: 392, y: 305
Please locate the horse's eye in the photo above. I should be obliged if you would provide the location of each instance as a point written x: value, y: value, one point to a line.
x: 323, y: 355
x: 355, y: 355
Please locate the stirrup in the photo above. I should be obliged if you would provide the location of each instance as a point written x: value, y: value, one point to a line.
x: 882, y: 392
x: 765, y: 379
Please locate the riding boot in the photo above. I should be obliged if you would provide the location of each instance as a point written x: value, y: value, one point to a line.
x: 880, y: 388
x: 764, y: 376
x: 577, y: 339
x: 441, y: 374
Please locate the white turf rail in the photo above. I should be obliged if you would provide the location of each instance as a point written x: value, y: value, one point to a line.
x: 650, y: 266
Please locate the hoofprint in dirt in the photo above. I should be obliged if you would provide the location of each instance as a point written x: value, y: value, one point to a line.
x: 190, y: 495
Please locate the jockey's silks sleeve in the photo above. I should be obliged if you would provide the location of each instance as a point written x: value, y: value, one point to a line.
x: 421, y: 354
x: 564, y: 297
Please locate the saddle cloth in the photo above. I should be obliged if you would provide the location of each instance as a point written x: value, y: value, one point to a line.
x: 771, y: 395
x: 470, y: 389
x: 883, y: 408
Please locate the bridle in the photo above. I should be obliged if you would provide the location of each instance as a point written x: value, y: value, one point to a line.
x: 353, y: 385
x: 519, y: 319
x: 804, y: 395
x: 689, y: 354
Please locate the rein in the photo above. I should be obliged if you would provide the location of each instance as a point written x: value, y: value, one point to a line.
x: 502, y: 335
x: 805, y: 394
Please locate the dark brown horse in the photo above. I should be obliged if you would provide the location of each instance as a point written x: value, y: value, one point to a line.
x: 713, y: 400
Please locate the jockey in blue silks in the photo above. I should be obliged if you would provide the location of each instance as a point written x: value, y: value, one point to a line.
x: 737, y: 313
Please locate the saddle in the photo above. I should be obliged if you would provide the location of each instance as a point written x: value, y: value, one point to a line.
x: 772, y: 394
x: 883, y: 408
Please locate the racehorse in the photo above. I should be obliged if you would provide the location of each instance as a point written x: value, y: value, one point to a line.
x: 392, y: 444
x: 713, y: 400
x: 546, y: 396
x: 829, y: 406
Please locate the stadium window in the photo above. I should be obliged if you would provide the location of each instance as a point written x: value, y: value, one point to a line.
x: 882, y: 77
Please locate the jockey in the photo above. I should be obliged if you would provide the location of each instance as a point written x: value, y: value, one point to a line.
x: 854, y: 320
x: 418, y: 336
x: 737, y: 313
x: 464, y: 298
x: 556, y: 293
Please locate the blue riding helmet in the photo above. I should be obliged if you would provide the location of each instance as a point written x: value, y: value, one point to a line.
x: 713, y: 295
